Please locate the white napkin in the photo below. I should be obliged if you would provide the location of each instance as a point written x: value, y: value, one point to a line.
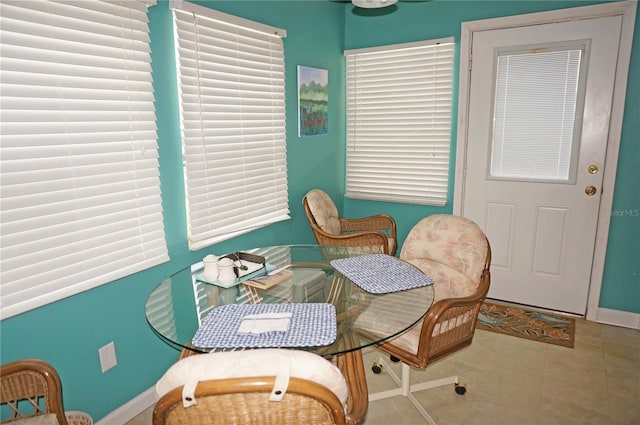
x: 256, y: 324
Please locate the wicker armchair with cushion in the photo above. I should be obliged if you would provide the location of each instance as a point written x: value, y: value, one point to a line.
x: 261, y: 386
x: 375, y: 233
x: 456, y: 254
x: 32, y: 391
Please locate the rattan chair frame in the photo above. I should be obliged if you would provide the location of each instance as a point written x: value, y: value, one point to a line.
x: 371, y: 231
x: 351, y: 365
x: 246, y: 401
x: 32, y: 384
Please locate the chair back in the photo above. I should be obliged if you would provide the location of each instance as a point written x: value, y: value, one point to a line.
x: 31, y: 388
x: 372, y: 234
x: 322, y: 211
x: 246, y: 401
x: 453, y: 241
x: 262, y: 386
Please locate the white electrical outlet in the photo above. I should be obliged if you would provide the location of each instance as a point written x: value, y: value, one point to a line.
x: 107, y: 356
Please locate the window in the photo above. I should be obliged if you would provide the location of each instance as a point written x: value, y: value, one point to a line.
x: 535, y: 127
x: 399, y: 101
x: 81, y: 199
x: 231, y: 91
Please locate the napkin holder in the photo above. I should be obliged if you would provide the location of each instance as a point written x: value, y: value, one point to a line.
x: 253, y: 262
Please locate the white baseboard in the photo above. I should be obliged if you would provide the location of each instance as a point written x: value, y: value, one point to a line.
x: 625, y: 319
x: 130, y: 409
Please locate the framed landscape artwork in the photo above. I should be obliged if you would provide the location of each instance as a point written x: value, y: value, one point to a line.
x: 313, y: 101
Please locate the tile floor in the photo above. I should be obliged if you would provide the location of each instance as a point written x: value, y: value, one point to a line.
x: 512, y: 381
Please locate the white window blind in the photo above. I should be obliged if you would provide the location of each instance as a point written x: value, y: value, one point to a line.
x: 231, y: 84
x: 80, y: 185
x: 399, y: 101
x: 535, y: 114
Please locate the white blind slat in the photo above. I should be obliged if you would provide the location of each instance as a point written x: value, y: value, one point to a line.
x: 80, y: 196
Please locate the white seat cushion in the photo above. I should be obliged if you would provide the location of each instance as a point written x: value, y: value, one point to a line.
x: 48, y: 419
x: 259, y: 362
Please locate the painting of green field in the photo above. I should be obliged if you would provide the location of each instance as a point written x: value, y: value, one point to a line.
x: 313, y: 101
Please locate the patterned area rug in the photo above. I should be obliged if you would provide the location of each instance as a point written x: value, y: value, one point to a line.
x: 530, y: 324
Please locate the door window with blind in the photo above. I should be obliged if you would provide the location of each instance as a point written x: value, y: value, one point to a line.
x: 399, y: 101
x: 535, y: 127
x: 232, y: 103
x: 81, y: 202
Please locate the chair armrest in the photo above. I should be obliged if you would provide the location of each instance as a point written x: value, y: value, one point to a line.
x: 450, y: 323
x: 368, y: 242
x: 381, y: 223
x: 372, y: 223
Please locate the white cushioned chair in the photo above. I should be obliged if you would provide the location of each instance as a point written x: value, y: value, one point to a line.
x: 261, y: 386
x: 456, y: 254
x: 371, y: 234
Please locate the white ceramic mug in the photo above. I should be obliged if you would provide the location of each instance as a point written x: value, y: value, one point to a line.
x: 210, y: 268
x: 226, y: 274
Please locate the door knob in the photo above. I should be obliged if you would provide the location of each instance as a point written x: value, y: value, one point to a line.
x: 590, y: 190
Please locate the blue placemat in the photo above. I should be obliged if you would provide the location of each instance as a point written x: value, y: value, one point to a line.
x: 381, y: 273
x: 311, y: 325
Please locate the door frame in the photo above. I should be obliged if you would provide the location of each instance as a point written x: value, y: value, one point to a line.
x: 626, y: 9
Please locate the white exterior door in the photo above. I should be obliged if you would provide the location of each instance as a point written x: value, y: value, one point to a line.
x: 534, y: 174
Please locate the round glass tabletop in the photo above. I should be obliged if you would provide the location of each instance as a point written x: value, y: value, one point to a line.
x: 179, y: 305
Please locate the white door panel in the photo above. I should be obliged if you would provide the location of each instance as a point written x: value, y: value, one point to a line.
x: 542, y: 233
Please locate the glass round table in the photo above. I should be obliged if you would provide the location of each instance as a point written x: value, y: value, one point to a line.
x: 181, y: 303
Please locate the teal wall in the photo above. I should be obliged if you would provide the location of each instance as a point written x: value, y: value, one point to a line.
x: 437, y: 19
x: 69, y: 333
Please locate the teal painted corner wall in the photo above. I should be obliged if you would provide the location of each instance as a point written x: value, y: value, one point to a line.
x: 68, y: 333
x: 437, y: 19
x: 621, y: 280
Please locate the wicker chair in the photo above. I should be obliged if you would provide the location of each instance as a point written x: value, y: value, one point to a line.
x: 262, y: 386
x: 456, y: 254
x: 31, y: 389
x: 375, y: 233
